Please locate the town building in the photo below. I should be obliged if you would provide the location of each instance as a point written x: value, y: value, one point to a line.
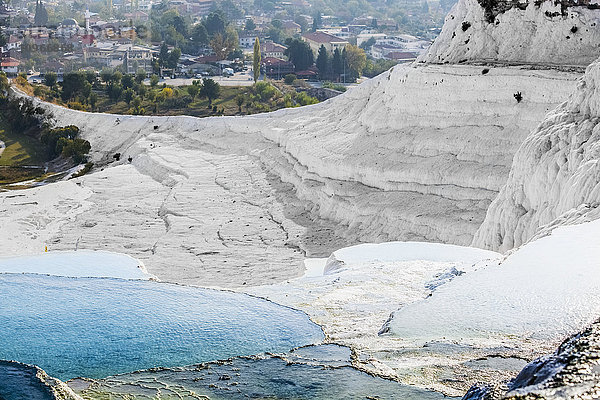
x: 318, y: 39
x: 10, y: 66
x: 272, y: 50
x: 276, y: 68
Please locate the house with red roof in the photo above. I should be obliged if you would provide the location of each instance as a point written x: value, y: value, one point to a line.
x: 318, y: 39
x: 10, y: 66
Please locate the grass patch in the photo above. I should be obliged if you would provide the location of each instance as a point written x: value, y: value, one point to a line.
x: 21, y: 150
x: 19, y: 174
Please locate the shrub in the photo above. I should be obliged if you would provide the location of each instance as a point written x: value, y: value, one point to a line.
x: 335, y: 86
x: 264, y: 90
x: 289, y: 79
x: 304, y: 99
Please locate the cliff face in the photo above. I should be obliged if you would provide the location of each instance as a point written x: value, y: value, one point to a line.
x: 519, y: 31
x: 555, y: 177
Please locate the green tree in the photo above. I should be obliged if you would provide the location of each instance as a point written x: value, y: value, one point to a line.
x: 154, y: 80
x: 50, y: 79
x: 317, y: 21
x: 4, y: 85
x: 128, y: 95
x: 41, y: 14
x: 210, y: 89
x: 93, y: 100
x: 116, y: 77
x: 174, y: 58
x: 290, y: 79
x: 239, y: 100
x: 74, y: 84
x: 323, y: 62
x: 299, y: 53
x: 256, y: 60
x: 214, y: 24
x: 356, y: 60
x: 163, y: 56
x: 199, y: 34
x: 127, y: 81
x: 337, y: 63
x: 193, y: 89
x: 250, y: 25
x: 106, y: 75
x: 140, y: 75
x: 76, y: 148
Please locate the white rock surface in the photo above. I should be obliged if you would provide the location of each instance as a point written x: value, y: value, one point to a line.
x: 351, y: 303
x: 555, y: 177
x: 539, y: 294
x: 543, y: 33
x: 82, y: 263
x: 415, y: 154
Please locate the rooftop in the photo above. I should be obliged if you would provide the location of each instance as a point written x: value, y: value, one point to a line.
x: 322, y: 37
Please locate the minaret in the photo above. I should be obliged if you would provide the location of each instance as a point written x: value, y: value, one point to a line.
x: 87, y: 21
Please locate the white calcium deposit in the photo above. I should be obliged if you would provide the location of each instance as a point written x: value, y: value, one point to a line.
x: 555, y: 177
x: 533, y: 32
x: 414, y: 154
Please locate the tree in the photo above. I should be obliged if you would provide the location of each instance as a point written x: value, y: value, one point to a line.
x: 210, y: 89
x: 50, y: 79
x: 256, y: 60
x: 214, y: 24
x: 299, y: 53
x: 128, y: 95
x: 193, y: 89
x: 75, y: 148
x: 173, y: 58
x: 116, y: 77
x: 154, y: 80
x: 290, y: 79
x: 300, y: 20
x: 4, y: 85
x: 323, y: 62
x: 2, y: 40
x: 106, y: 75
x: 163, y: 56
x: 239, y: 100
x: 93, y: 100
x: 199, y: 34
x: 356, y: 60
x: 366, y: 45
x: 140, y: 75
x: 221, y: 46
x: 74, y: 84
x: 337, y: 63
x: 317, y: 21
x: 250, y: 25
x: 127, y: 81
x: 41, y: 15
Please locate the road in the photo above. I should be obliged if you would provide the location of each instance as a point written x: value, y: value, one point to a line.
x: 238, y: 79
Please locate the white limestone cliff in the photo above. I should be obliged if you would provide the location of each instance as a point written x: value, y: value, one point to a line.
x: 555, y: 177
x: 414, y: 154
x: 538, y: 32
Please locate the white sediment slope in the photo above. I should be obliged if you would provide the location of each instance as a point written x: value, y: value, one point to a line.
x: 544, y: 291
x: 555, y: 177
x: 417, y: 153
x: 361, y: 285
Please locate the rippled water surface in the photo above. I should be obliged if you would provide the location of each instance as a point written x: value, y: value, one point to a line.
x: 99, y: 327
x: 310, y: 373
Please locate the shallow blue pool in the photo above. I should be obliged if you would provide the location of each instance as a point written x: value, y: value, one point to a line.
x: 99, y: 327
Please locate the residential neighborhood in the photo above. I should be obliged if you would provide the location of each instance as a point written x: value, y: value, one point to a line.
x: 40, y: 36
